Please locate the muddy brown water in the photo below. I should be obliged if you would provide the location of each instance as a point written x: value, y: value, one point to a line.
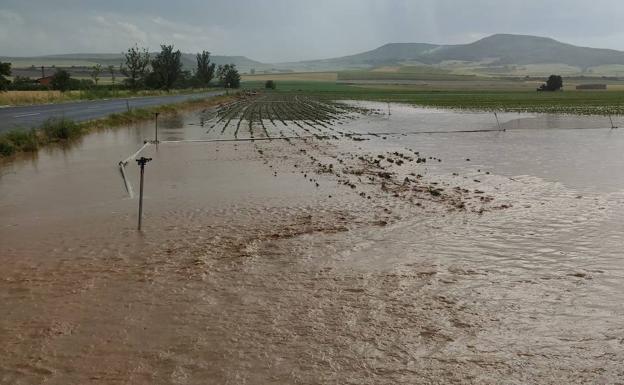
x: 259, y: 266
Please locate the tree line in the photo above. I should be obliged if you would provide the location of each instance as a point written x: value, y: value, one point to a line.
x: 164, y: 70
x: 142, y: 71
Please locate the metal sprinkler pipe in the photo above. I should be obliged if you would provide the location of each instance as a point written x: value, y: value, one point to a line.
x: 156, y: 127
x: 142, y: 162
x: 498, y: 122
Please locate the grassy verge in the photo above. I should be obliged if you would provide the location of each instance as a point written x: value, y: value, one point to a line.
x: 23, y: 98
x: 567, y: 102
x: 58, y: 130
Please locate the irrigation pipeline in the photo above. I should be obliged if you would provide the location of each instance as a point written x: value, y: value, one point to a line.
x: 463, y: 131
x: 124, y: 163
x: 425, y: 132
x: 240, y: 139
x: 122, y: 168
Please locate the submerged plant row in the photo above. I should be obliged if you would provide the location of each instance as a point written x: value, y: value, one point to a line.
x: 313, y: 115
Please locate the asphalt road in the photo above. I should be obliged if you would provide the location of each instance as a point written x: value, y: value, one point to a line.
x: 26, y: 117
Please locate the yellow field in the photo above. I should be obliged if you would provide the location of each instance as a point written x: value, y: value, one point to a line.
x: 16, y: 98
x: 298, y: 76
x: 22, y: 98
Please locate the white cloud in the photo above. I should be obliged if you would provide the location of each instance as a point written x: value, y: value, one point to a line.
x: 104, y: 32
x: 135, y: 33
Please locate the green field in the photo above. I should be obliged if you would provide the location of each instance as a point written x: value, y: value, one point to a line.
x: 569, y: 102
x: 402, y: 74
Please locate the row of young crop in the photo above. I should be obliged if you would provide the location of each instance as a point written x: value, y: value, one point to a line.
x: 313, y: 116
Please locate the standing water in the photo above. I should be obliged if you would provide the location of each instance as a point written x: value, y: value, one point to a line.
x: 259, y: 264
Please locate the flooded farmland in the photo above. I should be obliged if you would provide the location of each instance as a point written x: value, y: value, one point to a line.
x: 373, y: 244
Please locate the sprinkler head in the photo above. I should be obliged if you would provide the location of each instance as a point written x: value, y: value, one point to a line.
x: 143, y: 161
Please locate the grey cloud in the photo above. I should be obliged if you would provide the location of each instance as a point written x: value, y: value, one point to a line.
x: 283, y: 30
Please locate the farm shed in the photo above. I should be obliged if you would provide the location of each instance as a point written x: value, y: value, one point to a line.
x: 45, y: 81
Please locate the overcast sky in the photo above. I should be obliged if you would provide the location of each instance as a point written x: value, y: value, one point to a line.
x: 285, y: 30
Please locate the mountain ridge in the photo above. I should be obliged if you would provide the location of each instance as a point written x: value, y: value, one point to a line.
x: 115, y: 59
x: 495, y: 50
x: 498, y: 49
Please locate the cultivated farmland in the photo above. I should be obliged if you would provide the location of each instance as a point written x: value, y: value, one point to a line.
x: 267, y: 115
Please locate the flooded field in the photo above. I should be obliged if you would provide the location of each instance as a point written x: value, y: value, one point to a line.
x: 376, y: 244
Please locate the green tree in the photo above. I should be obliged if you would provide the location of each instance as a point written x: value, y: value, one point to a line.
x: 24, y: 83
x: 96, y: 70
x: 205, y: 69
x: 228, y: 76
x: 270, y: 85
x: 61, y: 80
x: 136, y: 68
x: 5, y: 70
x: 554, y: 83
x: 167, y: 66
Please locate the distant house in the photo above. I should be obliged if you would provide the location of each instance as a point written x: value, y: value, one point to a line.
x: 591, y: 87
x: 45, y: 81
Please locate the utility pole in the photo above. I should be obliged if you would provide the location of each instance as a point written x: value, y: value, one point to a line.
x: 142, y: 162
x: 156, y: 126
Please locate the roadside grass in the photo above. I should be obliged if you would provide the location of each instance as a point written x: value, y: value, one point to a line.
x: 61, y: 130
x: 141, y: 114
x: 18, y: 141
x: 53, y: 130
x: 23, y: 140
x: 58, y: 129
x: 23, y: 98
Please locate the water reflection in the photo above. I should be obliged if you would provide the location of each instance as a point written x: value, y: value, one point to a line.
x: 579, y: 151
x: 174, y: 121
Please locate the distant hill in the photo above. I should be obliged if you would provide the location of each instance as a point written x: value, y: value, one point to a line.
x: 501, y: 49
x: 496, y: 54
x: 105, y: 59
x: 386, y: 54
x: 519, y: 49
